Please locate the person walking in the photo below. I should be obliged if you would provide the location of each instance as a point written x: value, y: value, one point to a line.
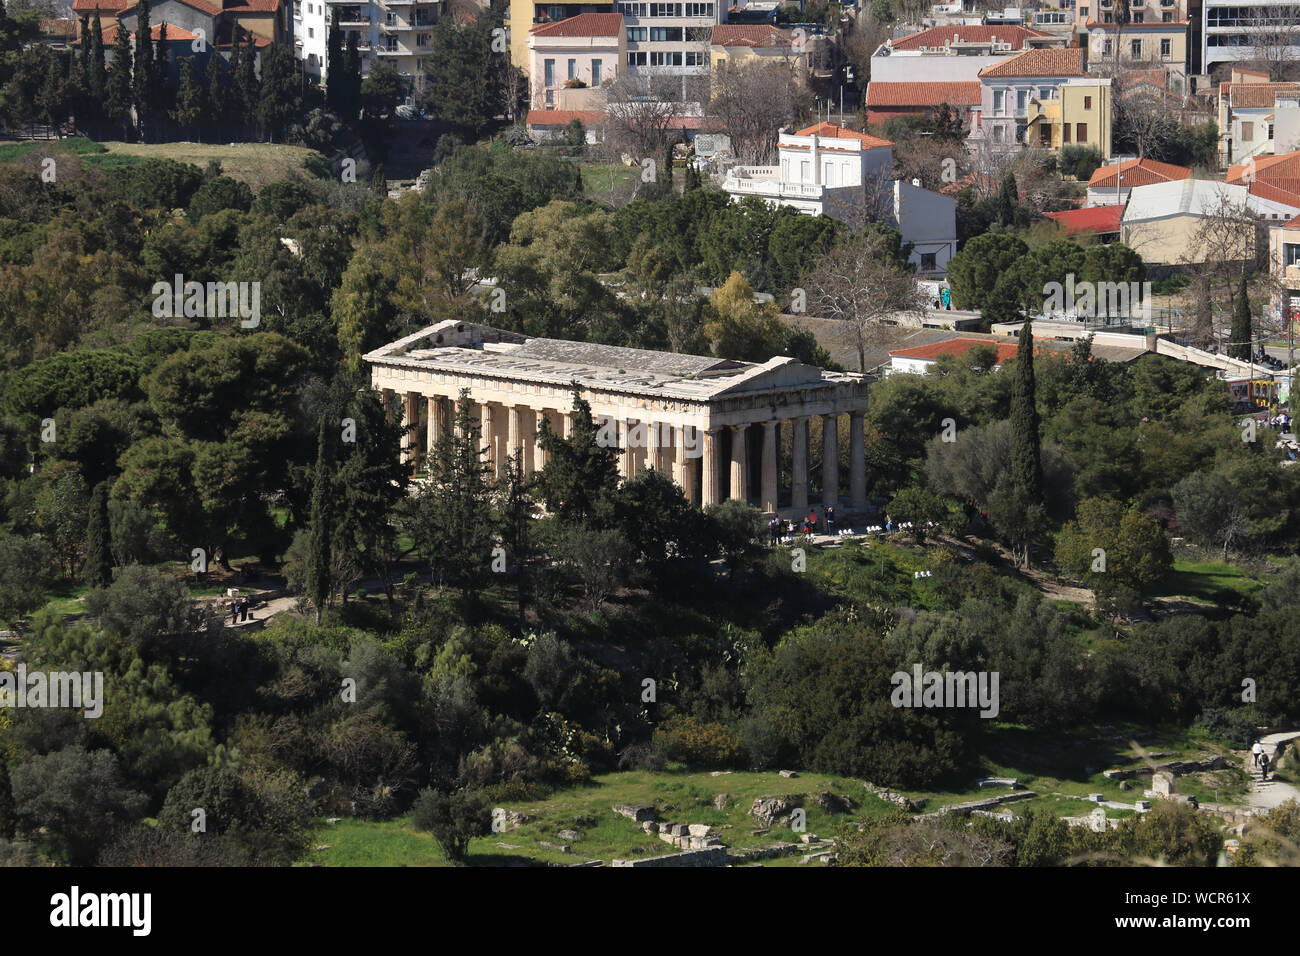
x: 830, y: 519
x: 1256, y: 752
x: 1263, y: 766
x: 774, y: 530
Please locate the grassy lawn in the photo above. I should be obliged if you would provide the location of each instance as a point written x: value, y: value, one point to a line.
x: 1199, y: 580
x: 66, y: 599
x: 254, y: 163
x: 601, y: 179
x: 604, y: 835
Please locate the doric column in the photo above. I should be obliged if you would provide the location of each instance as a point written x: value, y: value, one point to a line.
x: 857, y: 462
x: 539, y: 455
x: 799, y: 453
x: 661, y: 439
x: 485, y: 434
x: 566, y: 425
x: 739, y: 485
x: 830, y: 459
x: 770, y: 472
x: 434, y: 424
x: 408, y: 434
x: 624, y: 449
x: 712, y: 466
x: 515, y: 433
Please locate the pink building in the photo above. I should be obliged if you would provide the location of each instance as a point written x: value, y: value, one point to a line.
x: 582, y: 52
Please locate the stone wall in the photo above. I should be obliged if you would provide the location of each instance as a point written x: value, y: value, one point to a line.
x: 711, y: 856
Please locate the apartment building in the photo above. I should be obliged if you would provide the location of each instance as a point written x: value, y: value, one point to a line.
x: 575, y: 57
x: 953, y: 54
x: 1255, y: 115
x: 1235, y: 30
x: 1164, y: 43
x: 399, y: 32
x: 526, y: 14
x: 311, y: 27
x: 1043, y: 98
x: 1284, y: 259
x: 669, y: 39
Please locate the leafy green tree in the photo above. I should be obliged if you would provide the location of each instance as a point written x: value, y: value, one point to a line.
x: 1209, y: 509
x: 581, y: 471
x: 277, y: 100
x: 737, y: 527
x: 61, y: 515
x: 453, y: 818
x: 1008, y: 200
x: 739, y: 328
x: 221, y: 193
x: 467, y: 78
x: 26, y: 570
x: 1116, y: 553
x: 76, y: 800
x: 659, y: 523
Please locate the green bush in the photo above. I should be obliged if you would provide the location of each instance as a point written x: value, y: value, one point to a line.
x: 696, y: 743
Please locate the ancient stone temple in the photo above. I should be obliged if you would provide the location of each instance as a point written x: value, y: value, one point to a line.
x: 713, y: 424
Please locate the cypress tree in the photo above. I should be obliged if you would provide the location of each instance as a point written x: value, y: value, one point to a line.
x: 1026, y: 460
x: 318, y: 560
x: 118, y: 99
x: 143, y: 85
x: 98, y: 570
x: 350, y: 85
x: 161, y: 95
x: 217, y: 95
x: 333, y: 66
x: 1008, y: 200
x: 98, y: 77
x: 191, y: 104
x: 1239, y: 343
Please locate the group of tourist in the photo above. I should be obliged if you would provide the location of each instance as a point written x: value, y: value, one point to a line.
x: 812, y: 523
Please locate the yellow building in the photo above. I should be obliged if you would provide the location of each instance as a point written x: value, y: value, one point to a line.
x: 1077, y: 114
x: 526, y: 14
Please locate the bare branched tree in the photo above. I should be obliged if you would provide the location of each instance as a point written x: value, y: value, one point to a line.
x: 638, y: 116
x: 754, y: 100
x: 858, y: 283
x: 1275, y: 33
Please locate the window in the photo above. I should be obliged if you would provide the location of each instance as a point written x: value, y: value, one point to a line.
x: 635, y: 9
x: 999, y: 98
x: 1139, y: 17
x: 311, y: 34
x: 1166, y: 49
x: 1022, y: 100
x: 928, y: 263
x: 1166, y: 17
x: 636, y: 59
x: 1135, y: 49
x: 1087, y: 102
x: 390, y: 19
x: 1291, y: 255
x: 1107, y: 18
x: 697, y: 59
x: 573, y: 69
x: 550, y: 73
x: 1081, y: 132
x: 636, y: 34
x: 595, y: 72
x: 805, y: 171
x: 665, y: 58
x: 1270, y: 131
x: 1247, y: 131
x: 1065, y: 133
x: 699, y: 34
x: 998, y: 132
x: 1083, y: 12
x: 1045, y: 93
x: 665, y: 34
x: 1107, y: 48
x: 423, y: 39
x: 550, y: 97
x: 699, y: 10
x: 665, y: 9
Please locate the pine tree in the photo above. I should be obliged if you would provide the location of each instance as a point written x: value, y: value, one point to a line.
x: 98, y: 569
x: 191, y: 104
x: 321, y: 532
x: 581, y: 471
x: 1026, y: 459
x: 51, y: 98
x: 161, y: 97
x: 1241, y: 339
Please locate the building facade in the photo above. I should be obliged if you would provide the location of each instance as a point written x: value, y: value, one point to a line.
x: 399, y: 32
x: 715, y: 425
x: 588, y: 49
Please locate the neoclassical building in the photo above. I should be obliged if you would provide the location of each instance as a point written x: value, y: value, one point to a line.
x: 713, y: 424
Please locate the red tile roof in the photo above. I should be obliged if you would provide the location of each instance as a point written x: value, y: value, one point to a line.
x: 1268, y: 169
x: 1293, y: 224
x: 1053, y: 61
x: 174, y: 34
x: 1095, y: 219
x: 943, y: 36
x: 583, y: 25
x: 565, y: 117
x: 831, y: 131
x: 1285, y: 191
x: 106, y: 7
x: 884, y: 94
x: 956, y: 347
x: 1137, y: 172
x: 751, y: 35
x: 1260, y: 95
x: 252, y: 6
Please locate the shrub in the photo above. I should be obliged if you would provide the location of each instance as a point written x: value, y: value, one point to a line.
x: 696, y: 743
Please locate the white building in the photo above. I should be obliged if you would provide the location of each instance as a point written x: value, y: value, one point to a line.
x: 399, y: 32
x: 1229, y: 29
x: 828, y: 170
x: 311, y: 35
